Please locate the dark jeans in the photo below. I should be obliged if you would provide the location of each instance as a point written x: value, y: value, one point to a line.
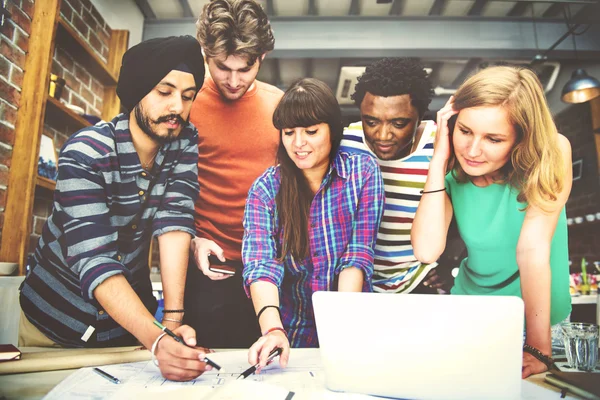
x: 219, y: 311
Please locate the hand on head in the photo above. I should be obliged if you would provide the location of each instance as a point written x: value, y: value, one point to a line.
x: 202, y: 248
x: 442, y: 146
x: 178, y: 362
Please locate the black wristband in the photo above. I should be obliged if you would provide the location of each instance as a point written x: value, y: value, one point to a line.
x: 547, y: 360
x: 432, y: 191
x: 173, y: 311
x: 264, y: 308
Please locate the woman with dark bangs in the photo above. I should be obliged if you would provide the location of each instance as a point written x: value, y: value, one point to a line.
x: 310, y: 222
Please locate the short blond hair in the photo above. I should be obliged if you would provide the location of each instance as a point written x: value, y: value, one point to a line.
x: 536, y: 167
x: 234, y: 27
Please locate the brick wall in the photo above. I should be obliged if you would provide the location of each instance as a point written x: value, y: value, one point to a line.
x: 584, y: 239
x: 14, y: 42
x: 81, y: 89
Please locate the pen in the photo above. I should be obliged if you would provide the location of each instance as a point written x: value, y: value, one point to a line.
x: 180, y: 340
x: 106, y: 375
x: 276, y: 352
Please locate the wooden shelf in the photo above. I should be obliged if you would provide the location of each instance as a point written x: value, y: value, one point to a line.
x: 45, y: 183
x: 68, y: 39
x: 58, y: 113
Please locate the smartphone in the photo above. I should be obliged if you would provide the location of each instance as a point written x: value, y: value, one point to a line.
x: 219, y: 266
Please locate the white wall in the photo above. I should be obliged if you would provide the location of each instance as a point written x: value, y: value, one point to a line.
x: 122, y: 14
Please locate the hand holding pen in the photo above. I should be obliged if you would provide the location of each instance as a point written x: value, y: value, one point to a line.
x: 177, y: 362
x: 276, y: 352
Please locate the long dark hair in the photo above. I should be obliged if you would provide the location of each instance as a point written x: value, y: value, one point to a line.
x: 306, y: 103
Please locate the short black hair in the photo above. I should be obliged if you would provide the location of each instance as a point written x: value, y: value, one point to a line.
x: 395, y: 77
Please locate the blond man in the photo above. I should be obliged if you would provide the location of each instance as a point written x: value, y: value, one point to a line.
x: 238, y: 142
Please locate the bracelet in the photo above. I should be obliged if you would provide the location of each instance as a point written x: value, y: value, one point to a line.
x: 277, y: 328
x: 154, y: 346
x: 172, y: 320
x: 264, y: 308
x: 432, y: 191
x: 547, y: 360
x: 173, y: 311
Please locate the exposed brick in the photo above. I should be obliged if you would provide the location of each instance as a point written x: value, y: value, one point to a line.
x: 75, y: 5
x: 97, y: 88
x: 16, y: 77
x: 57, y: 69
x: 22, y: 40
x: 87, y: 95
x: 104, y: 37
x: 93, y: 111
x: 3, y: 198
x: 78, y: 101
x: 33, y: 242
x: 104, y: 52
x: 64, y: 59
x: 97, y: 16
x: 95, y: 42
x: 14, y: 54
x: 72, y: 82
x: 66, y: 10
x: 5, y: 156
x: 4, y: 67
x: 4, y: 175
x: 86, y: 4
x: 9, y: 93
x: 8, y: 30
x: 28, y: 6
x: 80, y: 26
x: 82, y: 75
x: 9, y: 114
x: 7, y: 134
x: 21, y: 19
x: 99, y: 104
x: 91, y: 21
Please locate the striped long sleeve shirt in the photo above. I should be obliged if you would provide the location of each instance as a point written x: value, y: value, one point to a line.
x: 396, y: 268
x: 106, y: 209
x: 343, y: 220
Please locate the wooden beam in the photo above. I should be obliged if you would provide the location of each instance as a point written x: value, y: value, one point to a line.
x: 187, y: 10
x: 518, y: 10
x: 119, y: 40
x: 466, y: 72
x: 145, y: 8
x: 271, y: 8
x: 554, y: 11
x: 477, y: 8
x: 312, y: 7
x: 397, y: 7
x: 438, y: 7
x: 28, y: 130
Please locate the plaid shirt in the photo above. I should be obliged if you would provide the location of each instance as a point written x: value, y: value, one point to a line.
x: 106, y: 208
x: 343, y: 222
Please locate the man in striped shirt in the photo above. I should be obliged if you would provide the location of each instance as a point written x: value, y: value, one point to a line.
x: 120, y: 183
x: 393, y: 95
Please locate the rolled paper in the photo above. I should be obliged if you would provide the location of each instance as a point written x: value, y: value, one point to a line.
x: 73, y: 359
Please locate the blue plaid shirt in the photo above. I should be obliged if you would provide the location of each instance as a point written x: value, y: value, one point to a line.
x: 106, y: 209
x: 344, y: 218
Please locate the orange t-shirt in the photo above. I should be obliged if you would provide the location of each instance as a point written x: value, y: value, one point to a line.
x: 237, y: 142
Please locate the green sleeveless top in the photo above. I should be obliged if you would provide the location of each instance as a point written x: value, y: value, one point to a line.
x: 489, y: 220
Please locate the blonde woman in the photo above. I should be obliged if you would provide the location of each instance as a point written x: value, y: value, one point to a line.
x: 509, y: 179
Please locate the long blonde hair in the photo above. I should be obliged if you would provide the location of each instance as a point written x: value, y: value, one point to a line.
x: 536, y: 166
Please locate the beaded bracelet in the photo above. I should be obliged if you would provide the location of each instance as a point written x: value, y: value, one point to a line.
x: 277, y: 328
x: 173, y: 311
x: 547, y: 360
x: 264, y: 308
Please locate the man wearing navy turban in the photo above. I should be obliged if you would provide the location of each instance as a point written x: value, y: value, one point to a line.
x: 121, y: 183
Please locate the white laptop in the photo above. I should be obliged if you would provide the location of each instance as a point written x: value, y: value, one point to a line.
x: 421, y: 346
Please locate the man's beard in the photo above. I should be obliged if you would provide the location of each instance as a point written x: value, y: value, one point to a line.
x: 145, y: 124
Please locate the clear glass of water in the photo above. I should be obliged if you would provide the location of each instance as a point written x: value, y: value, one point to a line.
x: 581, y: 345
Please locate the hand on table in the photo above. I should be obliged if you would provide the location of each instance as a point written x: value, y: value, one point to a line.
x: 260, y: 350
x: 532, y: 366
